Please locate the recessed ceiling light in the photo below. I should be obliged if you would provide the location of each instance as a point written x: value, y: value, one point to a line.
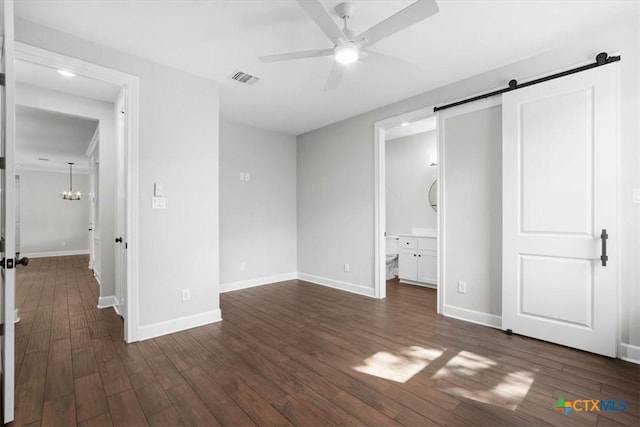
x: 66, y: 73
x: 404, y: 124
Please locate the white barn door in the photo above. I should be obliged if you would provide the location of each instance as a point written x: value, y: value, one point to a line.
x: 559, y: 188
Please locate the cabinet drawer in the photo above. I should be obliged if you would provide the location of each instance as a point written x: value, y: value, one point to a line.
x: 427, y: 243
x: 409, y: 242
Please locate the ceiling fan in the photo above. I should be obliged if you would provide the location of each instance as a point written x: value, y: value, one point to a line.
x: 347, y: 46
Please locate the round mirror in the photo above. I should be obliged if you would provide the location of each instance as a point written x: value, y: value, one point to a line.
x: 433, y: 195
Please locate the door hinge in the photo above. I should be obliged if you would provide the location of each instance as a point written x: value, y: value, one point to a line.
x: 3, y: 163
x: 2, y: 79
x: 1, y: 329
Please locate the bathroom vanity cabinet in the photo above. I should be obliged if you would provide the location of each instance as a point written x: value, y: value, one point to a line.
x: 417, y: 260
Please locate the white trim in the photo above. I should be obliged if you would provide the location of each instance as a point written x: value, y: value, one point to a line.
x: 379, y: 274
x: 106, y: 302
x: 54, y: 253
x: 117, y: 309
x: 131, y: 84
x: 94, y: 142
x: 176, y: 325
x: 630, y: 353
x: 414, y: 283
x: 478, y: 317
x: 336, y: 284
x: 77, y: 170
x: 259, y: 281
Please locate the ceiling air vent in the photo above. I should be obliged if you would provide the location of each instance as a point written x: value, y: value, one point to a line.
x: 243, y: 77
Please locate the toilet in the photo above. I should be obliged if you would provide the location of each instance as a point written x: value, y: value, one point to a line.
x: 391, y: 250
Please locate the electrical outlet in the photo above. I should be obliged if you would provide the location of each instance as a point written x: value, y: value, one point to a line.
x: 462, y: 287
x: 241, y: 176
x: 63, y: 243
x: 243, y: 266
x: 247, y: 176
x: 186, y: 295
x: 347, y: 268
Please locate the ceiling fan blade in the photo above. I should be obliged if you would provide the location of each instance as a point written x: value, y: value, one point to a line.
x: 297, y: 55
x: 412, y: 14
x: 319, y: 14
x: 334, y: 76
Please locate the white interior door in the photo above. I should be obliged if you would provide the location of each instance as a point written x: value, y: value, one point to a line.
x: 121, y: 208
x: 7, y: 210
x: 559, y: 184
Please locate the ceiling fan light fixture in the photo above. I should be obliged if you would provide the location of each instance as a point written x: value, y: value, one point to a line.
x: 66, y: 73
x: 346, y: 54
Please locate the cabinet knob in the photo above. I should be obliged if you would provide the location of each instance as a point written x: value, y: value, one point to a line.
x: 419, y: 255
x: 414, y: 254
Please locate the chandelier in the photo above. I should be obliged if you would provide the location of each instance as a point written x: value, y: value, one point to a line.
x: 70, y: 194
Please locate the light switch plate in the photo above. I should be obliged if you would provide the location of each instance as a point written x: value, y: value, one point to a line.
x: 159, y: 203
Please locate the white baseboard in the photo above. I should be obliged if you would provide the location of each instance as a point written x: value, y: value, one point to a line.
x: 176, y: 325
x: 630, y: 353
x: 414, y: 283
x: 250, y: 283
x: 54, y: 253
x: 473, y: 316
x: 106, y: 302
x: 336, y: 284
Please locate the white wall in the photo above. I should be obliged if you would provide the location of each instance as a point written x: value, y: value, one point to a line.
x: 408, y: 179
x: 336, y: 168
x: 473, y: 219
x: 178, y: 146
x: 257, y: 217
x: 46, y: 99
x: 49, y: 225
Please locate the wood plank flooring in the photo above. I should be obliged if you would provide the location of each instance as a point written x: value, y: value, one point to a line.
x: 294, y: 354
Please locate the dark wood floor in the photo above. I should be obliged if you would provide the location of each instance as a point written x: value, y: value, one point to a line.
x: 294, y: 353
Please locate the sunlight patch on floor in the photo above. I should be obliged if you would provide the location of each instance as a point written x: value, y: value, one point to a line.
x: 455, y: 378
x: 509, y: 393
x: 399, y: 367
x: 464, y: 363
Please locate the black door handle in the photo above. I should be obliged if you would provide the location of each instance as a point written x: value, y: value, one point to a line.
x: 91, y: 229
x: 9, y: 263
x: 604, y: 258
x: 118, y: 239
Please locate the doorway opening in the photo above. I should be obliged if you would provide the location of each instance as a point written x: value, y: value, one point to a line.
x: 406, y: 212
x: 111, y: 98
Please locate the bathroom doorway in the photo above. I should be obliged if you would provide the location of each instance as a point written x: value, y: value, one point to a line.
x: 406, y: 218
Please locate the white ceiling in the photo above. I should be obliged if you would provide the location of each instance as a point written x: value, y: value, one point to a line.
x: 60, y: 138
x: 49, y: 78
x: 214, y: 38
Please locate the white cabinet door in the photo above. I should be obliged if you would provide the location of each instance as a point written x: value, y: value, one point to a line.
x: 427, y: 267
x: 408, y: 264
x: 559, y: 188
